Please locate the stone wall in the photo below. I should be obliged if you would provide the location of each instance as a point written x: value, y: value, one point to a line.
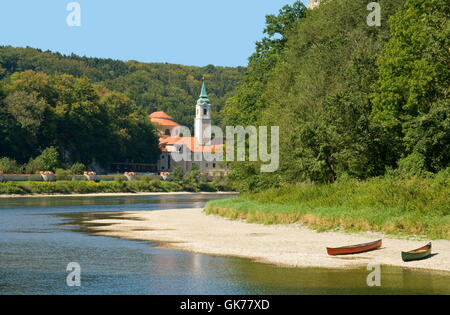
x: 38, y: 177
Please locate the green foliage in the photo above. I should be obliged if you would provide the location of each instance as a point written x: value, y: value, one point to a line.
x: 192, y: 178
x: 351, y: 100
x: 84, y: 122
x: 118, y: 179
x: 88, y: 187
x: 78, y: 168
x: 145, y: 178
x: 10, y: 166
x: 178, y: 174
x: 62, y: 174
x: 246, y: 107
x: 26, y: 109
x: 414, y: 206
x: 47, y: 161
x: 34, y: 166
x: 152, y: 86
x: 50, y: 159
x: 410, y: 100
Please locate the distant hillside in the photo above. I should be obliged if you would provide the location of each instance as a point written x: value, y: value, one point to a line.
x: 153, y: 86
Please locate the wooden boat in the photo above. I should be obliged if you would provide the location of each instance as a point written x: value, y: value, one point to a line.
x: 417, y: 254
x: 354, y: 249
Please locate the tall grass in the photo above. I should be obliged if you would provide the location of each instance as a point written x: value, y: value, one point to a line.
x: 414, y: 206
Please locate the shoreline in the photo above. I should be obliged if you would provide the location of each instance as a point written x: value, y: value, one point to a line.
x: 296, y: 246
x: 16, y: 196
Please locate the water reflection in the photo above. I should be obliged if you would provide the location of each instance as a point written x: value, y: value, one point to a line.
x: 39, y: 237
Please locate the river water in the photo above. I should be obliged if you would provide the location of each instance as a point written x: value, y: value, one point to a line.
x: 39, y: 237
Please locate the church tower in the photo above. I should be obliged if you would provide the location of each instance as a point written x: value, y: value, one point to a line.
x: 312, y: 4
x: 203, y: 117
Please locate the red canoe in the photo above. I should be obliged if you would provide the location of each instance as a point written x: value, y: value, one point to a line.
x: 354, y: 249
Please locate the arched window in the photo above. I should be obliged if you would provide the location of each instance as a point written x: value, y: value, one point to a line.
x: 205, y: 111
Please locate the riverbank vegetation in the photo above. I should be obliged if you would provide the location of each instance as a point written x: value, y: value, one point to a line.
x: 414, y: 206
x: 117, y: 186
x: 350, y: 99
x: 364, y: 119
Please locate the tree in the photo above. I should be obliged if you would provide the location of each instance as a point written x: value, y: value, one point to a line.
x: 315, y: 85
x: 152, y: 86
x: 78, y: 168
x: 84, y: 122
x: 26, y: 109
x: 50, y: 159
x: 411, y: 92
x: 246, y: 107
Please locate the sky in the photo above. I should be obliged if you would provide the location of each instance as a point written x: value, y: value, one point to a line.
x: 189, y: 32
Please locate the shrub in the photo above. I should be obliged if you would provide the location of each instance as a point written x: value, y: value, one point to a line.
x: 11, y: 188
x: 10, y: 166
x: 145, y: 178
x: 78, y: 169
x: 118, y: 179
x: 178, y: 173
x: 34, y: 166
x: 62, y: 174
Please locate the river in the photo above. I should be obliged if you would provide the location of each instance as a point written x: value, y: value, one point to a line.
x: 39, y: 237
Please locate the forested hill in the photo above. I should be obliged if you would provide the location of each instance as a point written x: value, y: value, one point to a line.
x: 153, y: 86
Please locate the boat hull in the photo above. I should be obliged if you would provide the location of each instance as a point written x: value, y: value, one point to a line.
x: 354, y: 249
x: 418, y: 254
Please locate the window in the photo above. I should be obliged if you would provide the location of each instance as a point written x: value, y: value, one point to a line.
x: 167, y: 133
x: 214, y: 165
x: 205, y: 111
x: 207, y: 165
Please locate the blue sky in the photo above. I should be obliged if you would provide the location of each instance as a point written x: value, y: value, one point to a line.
x: 190, y: 32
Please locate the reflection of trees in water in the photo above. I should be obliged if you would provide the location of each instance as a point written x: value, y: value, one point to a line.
x: 394, y: 280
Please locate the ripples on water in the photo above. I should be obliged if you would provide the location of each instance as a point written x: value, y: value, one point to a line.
x: 40, y: 236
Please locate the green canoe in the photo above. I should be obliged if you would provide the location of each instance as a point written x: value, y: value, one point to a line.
x: 417, y: 254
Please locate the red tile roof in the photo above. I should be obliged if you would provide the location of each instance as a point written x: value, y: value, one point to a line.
x: 161, y: 114
x: 162, y: 119
x: 190, y: 142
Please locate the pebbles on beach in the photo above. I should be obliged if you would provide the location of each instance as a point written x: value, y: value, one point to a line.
x: 287, y: 245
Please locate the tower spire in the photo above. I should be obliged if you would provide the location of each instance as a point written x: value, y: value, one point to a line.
x: 203, y: 94
x: 202, y: 125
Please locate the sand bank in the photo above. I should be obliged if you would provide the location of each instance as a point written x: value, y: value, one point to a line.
x: 116, y: 194
x: 285, y: 245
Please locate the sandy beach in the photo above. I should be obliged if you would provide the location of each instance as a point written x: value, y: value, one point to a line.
x: 284, y: 245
